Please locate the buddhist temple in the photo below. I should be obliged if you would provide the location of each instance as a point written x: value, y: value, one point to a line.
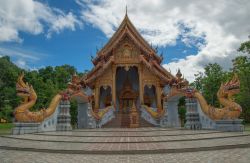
x: 127, y: 71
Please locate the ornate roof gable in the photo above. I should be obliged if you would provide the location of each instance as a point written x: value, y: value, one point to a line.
x: 147, y: 55
x: 126, y: 28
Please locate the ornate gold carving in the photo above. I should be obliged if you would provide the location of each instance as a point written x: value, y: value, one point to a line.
x: 127, y: 96
x: 126, y: 52
x: 134, y: 117
x: 155, y: 114
x: 99, y: 114
x: 114, y: 85
x: 127, y: 67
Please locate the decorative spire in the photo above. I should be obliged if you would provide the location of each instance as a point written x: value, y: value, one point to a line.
x: 126, y: 11
x: 178, y: 75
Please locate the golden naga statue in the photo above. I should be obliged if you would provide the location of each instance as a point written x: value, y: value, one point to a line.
x: 100, y: 114
x: 231, y: 109
x: 22, y: 112
x: 155, y: 114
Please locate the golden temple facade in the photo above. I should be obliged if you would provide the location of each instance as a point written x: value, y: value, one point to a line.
x: 127, y: 66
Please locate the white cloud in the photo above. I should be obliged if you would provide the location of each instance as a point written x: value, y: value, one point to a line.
x: 66, y: 21
x: 222, y: 24
x: 32, y: 17
x: 22, y: 58
x: 21, y: 63
x: 31, y: 55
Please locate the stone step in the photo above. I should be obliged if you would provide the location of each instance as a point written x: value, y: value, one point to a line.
x: 121, y: 145
x: 123, y: 120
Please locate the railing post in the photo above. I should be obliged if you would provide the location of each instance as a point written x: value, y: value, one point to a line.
x: 64, y: 118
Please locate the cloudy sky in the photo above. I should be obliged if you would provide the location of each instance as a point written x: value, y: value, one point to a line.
x: 190, y: 34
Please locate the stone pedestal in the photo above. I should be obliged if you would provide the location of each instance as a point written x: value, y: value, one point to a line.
x: 229, y: 125
x: 192, y: 115
x: 64, y: 118
x: 134, y: 117
x: 91, y: 120
x: 172, y: 111
x: 82, y: 116
x: 164, y: 119
x: 25, y: 128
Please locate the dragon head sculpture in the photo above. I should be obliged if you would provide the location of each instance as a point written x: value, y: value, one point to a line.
x: 230, y: 88
x: 75, y: 88
x: 24, y: 90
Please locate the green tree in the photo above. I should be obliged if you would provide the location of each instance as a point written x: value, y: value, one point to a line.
x: 213, y: 77
x: 245, y: 47
x: 63, y: 75
x: 8, y: 76
x: 182, y: 110
x: 73, y: 113
x: 197, y: 84
x: 242, y: 68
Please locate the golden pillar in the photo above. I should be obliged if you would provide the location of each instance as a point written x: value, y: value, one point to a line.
x: 158, y: 97
x: 114, y: 85
x: 141, y: 89
x: 97, y: 92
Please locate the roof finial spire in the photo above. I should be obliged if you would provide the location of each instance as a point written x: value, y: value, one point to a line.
x: 126, y: 10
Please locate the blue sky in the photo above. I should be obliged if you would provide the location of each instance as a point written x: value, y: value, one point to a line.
x: 50, y: 33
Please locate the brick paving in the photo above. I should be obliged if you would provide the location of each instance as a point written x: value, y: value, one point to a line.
x: 127, y: 145
x: 220, y: 156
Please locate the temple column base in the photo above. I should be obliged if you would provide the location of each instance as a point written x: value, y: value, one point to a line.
x: 192, y: 115
x: 64, y: 118
x: 25, y: 128
x: 229, y: 125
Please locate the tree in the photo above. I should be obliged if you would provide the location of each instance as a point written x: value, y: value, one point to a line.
x: 245, y: 47
x: 73, y: 113
x: 242, y: 68
x: 182, y: 110
x: 197, y: 84
x: 210, y: 83
x: 8, y: 76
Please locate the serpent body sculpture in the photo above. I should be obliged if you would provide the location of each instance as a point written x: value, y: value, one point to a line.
x: 22, y: 112
x: 155, y: 114
x: 231, y: 109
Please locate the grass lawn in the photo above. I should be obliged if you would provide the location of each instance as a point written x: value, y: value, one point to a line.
x: 247, y: 127
x: 5, y: 128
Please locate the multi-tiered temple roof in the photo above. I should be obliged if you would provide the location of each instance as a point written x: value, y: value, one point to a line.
x: 148, y: 55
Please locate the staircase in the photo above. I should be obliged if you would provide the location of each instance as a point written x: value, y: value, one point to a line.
x: 122, y: 120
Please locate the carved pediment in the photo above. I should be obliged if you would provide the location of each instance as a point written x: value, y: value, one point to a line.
x: 126, y: 52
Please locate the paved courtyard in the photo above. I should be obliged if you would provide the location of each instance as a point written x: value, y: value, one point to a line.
x: 127, y: 145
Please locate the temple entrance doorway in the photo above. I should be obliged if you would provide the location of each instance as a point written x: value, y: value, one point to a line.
x: 127, y: 91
